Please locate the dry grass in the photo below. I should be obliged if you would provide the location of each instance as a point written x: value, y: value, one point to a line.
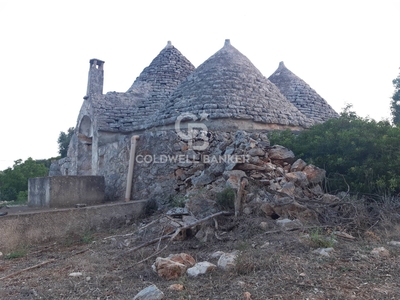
x: 277, y: 265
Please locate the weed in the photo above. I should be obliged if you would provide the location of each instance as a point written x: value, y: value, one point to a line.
x: 87, y: 238
x: 177, y: 200
x: 318, y: 240
x: 344, y: 269
x: 21, y: 252
x: 226, y: 198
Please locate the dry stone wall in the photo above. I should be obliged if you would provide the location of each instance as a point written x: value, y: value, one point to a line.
x: 262, y: 176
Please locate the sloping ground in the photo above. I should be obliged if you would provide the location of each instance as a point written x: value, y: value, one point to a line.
x: 272, y: 264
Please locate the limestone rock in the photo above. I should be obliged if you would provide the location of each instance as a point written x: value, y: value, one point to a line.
x: 267, y: 209
x: 149, y: 293
x: 394, y: 243
x: 205, y: 178
x: 278, y: 152
x: 327, y: 198
x: 298, y: 165
x: 314, y: 174
x: 380, y: 252
x: 168, y: 269
x: 233, y: 178
x: 256, y: 152
x: 199, y: 203
x: 298, y: 178
x: 250, y: 167
x: 176, y: 287
x: 288, y: 224
x: 227, y: 261
x: 205, y: 234
x: 183, y: 258
x: 323, y: 251
x: 217, y: 254
x: 264, y: 225
x: 246, y: 296
x: 201, y: 268
x: 288, y: 189
x: 174, y: 266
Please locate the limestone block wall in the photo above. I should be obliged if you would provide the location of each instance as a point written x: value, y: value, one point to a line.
x: 113, y: 160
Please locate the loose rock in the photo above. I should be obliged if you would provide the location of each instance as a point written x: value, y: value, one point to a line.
x: 149, y: 293
x: 201, y: 268
x: 380, y: 252
x: 323, y: 251
x: 227, y: 261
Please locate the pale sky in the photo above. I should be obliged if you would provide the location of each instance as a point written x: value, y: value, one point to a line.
x: 348, y: 51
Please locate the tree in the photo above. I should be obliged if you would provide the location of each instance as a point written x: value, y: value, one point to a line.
x: 395, y: 103
x: 14, y: 181
x: 63, y: 141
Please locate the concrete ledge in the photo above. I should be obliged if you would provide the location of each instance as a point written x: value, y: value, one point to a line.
x: 65, y: 191
x: 29, y: 228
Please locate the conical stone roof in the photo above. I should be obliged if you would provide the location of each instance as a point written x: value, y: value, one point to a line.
x: 163, y: 75
x: 302, y: 95
x: 228, y: 85
x: 137, y: 108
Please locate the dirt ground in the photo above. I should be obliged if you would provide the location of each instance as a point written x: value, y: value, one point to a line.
x: 272, y: 264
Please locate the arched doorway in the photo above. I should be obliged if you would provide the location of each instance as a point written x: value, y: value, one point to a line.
x: 85, y: 140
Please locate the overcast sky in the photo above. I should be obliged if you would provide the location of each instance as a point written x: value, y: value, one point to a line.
x: 348, y: 51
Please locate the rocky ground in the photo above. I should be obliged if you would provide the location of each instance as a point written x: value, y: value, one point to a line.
x: 271, y: 261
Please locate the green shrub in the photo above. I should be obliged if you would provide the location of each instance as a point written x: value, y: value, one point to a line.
x: 356, y: 152
x: 226, y: 198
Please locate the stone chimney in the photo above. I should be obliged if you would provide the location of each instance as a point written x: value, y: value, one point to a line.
x: 95, y: 78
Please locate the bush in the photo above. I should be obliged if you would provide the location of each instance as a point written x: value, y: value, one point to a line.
x: 360, y: 152
x: 226, y: 198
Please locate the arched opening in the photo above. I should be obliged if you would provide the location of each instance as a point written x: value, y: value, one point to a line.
x: 85, y: 139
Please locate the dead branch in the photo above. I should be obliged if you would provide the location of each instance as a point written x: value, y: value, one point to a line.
x: 132, y: 233
x: 178, y: 230
x: 297, y: 228
x: 81, y: 251
x: 215, y: 223
x: 225, y: 213
x: 151, y: 242
x: 28, y: 269
x: 147, y: 258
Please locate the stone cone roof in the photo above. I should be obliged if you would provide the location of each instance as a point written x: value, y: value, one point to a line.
x: 228, y: 85
x: 163, y: 75
x: 302, y: 95
x: 137, y: 108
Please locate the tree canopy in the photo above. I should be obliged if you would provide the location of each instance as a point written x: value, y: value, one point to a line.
x: 14, y: 181
x: 360, y: 152
x: 63, y: 141
x: 395, y: 103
